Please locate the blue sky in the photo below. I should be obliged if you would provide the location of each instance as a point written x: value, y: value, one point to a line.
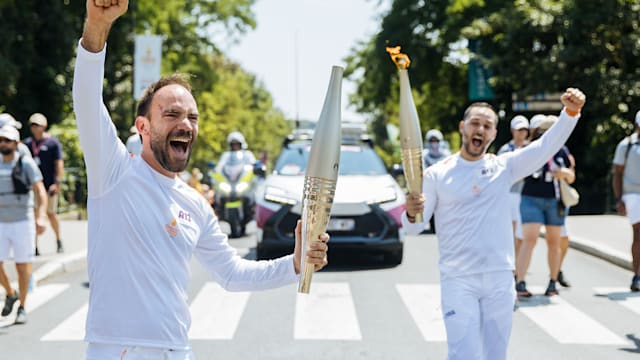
x: 325, y: 30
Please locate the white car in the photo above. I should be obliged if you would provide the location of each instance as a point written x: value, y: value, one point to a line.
x: 366, y: 210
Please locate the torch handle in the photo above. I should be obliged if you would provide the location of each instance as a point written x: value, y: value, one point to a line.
x: 305, y: 278
x: 412, y: 165
x: 316, y: 211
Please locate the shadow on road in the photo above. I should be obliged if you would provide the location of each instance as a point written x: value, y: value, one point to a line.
x: 636, y: 342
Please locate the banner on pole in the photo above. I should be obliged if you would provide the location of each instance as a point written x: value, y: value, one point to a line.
x: 146, y: 62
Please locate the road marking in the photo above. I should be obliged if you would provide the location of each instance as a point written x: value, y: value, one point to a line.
x: 36, y: 298
x: 423, y: 303
x: 563, y: 322
x: 215, y: 313
x: 326, y: 313
x: 622, y: 296
x: 71, y: 329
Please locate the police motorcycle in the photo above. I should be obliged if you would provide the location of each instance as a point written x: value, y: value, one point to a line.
x: 234, y: 182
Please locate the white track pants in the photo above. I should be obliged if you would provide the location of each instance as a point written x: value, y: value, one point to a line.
x: 478, y: 313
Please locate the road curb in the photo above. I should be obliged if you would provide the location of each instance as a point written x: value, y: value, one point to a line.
x: 63, y: 264
x: 603, y: 252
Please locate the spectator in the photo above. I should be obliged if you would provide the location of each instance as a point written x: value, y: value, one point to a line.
x: 18, y: 228
x: 519, y: 133
x: 541, y: 205
x: 626, y: 190
x: 7, y: 119
x: 47, y: 153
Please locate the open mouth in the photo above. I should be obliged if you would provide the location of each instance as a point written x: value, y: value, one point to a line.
x: 180, y: 144
x: 476, y: 142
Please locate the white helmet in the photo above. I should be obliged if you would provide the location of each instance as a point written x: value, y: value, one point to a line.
x: 237, y: 136
x: 433, y: 133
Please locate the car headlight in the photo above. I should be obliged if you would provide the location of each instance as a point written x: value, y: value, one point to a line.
x: 278, y: 195
x: 225, y: 187
x: 385, y: 195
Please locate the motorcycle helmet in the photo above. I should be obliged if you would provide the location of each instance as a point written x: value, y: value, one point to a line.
x: 236, y: 136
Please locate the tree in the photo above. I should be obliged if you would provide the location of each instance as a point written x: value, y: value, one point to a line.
x: 38, y: 50
x: 530, y: 47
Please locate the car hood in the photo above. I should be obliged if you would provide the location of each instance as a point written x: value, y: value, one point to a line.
x: 353, y: 192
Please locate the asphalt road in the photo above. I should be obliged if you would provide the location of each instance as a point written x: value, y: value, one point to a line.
x: 362, y: 310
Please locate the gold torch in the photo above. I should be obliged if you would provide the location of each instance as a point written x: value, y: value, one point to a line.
x: 321, y: 174
x: 410, y: 134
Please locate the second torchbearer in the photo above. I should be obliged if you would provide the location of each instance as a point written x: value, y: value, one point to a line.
x: 410, y: 134
x: 321, y: 174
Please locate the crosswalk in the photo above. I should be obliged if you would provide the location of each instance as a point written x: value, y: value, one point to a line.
x: 330, y: 312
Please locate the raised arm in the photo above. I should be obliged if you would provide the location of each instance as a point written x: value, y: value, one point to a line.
x: 102, y: 149
x: 530, y: 158
x: 100, y: 16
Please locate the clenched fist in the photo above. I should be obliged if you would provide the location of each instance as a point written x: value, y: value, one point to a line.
x: 573, y: 99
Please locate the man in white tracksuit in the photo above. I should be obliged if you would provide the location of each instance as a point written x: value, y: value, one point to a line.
x: 145, y: 223
x: 469, y: 195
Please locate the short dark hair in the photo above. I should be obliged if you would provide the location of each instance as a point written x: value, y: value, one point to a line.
x: 479, y: 105
x: 147, y: 96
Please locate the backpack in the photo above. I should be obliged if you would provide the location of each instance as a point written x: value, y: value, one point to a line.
x: 629, y: 146
x: 20, y: 178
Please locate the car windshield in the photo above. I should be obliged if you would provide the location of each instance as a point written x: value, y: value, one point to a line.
x: 354, y: 160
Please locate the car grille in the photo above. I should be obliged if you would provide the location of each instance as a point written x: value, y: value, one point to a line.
x: 376, y: 224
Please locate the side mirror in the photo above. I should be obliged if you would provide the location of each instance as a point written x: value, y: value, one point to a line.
x: 397, y: 172
x: 260, y: 169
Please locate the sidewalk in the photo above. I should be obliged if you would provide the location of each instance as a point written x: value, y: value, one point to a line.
x: 605, y: 236
x: 74, y: 238
x: 608, y: 237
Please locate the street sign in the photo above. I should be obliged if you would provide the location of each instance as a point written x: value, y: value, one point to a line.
x: 538, y: 102
x: 146, y: 62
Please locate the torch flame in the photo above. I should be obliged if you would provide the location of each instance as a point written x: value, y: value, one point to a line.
x: 401, y: 60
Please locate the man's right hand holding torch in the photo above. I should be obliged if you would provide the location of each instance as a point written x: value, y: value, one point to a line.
x: 414, y: 206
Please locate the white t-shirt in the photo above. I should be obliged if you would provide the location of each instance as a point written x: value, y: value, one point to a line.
x: 631, y: 175
x: 471, y: 203
x: 143, y: 230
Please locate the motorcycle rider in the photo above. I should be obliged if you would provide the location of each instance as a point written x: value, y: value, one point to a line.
x: 237, y: 151
x: 231, y: 204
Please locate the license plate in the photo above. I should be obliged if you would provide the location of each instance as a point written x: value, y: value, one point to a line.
x: 341, y: 224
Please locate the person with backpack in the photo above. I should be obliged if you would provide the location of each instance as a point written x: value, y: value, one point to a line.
x: 20, y: 179
x: 626, y: 189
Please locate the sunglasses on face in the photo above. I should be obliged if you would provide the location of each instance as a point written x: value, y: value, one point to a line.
x: 5, y: 140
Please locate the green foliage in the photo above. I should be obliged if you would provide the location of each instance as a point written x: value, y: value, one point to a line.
x: 37, y: 56
x: 530, y: 47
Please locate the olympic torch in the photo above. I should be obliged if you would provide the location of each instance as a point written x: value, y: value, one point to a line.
x: 410, y: 134
x: 321, y: 174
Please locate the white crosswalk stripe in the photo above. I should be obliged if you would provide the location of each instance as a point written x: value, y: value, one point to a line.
x: 423, y: 303
x: 329, y: 313
x: 215, y: 313
x: 326, y: 313
x: 565, y: 323
x: 36, y: 298
x: 71, y: 329
x: 622, y: 296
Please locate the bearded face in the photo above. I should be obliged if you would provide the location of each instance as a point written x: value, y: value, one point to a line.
x: 170, y: 129
x: 478, y: 132
x: 173, y: 150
